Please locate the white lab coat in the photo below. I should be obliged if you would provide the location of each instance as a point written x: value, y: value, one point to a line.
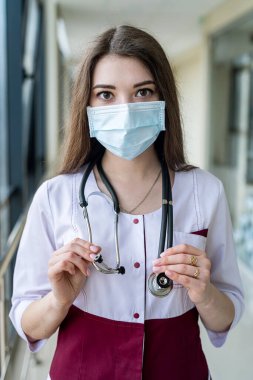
x: 55, y: 218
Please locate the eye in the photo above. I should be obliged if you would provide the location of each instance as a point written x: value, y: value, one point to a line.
x: 104, y: 95
x: 143, y: 92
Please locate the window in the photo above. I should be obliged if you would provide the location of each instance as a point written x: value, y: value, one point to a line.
x: 3, y: 132
x: 22, y: 123
x: 250, y: 133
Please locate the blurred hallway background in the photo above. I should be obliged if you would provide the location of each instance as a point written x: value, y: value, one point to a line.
x: 210, y: 46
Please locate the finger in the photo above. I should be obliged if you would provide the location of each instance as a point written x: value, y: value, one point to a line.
x: 74, y: 259
x: 87, y: 245
x: 184, y: 269
x: 81, y: 247
x: 60, y: 267
x: 186, y: 281
x: 200, y: 273
x: 180, y: 258
x: 160, y: 268
x: 56, y: 259
x: 84, y: 248
x: 183, y: 248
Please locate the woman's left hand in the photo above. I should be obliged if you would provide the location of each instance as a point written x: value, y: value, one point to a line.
x: 190, y: 267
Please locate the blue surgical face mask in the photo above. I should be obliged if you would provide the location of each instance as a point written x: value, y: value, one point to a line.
x: 127, y: 130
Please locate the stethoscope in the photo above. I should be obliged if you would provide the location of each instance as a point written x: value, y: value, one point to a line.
x: 159, y: 284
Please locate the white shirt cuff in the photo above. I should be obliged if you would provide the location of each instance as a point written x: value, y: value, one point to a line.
x: 15, y: 316
x: 219, y: 338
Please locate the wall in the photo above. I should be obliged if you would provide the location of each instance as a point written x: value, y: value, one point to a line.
x: 192, y: 71
x: 191, y: 75
x: 52, y: 83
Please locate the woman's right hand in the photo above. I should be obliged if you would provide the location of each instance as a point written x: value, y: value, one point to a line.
x: 68, y: 269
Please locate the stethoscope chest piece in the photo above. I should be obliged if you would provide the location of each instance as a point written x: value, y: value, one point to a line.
x: 159, y: 285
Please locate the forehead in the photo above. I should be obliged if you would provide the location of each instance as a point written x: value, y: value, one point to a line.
x: 113, y: 68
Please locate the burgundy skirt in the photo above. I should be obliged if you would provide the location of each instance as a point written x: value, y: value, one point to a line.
x: 95, y: 348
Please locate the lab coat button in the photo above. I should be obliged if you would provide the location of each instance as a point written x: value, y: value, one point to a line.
x: 136, y: 315
x: 136, y: 221
x: 137, y: 265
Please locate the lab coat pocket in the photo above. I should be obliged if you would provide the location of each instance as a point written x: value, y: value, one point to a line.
x: 195, y: 240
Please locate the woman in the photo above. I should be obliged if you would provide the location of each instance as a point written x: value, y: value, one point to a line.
x: 125, y: 118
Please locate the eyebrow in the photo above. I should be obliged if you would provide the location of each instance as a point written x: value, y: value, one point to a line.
x: 114, y: 88
x: 143, y: 83
x: 104, y: 86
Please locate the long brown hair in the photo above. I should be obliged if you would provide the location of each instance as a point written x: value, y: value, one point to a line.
x: 78, y: 147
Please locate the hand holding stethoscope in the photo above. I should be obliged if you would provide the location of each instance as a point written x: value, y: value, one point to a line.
x: 68, y: 268
x: 188, y: 266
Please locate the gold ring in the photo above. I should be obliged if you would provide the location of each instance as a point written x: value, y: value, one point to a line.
x: 193, y: 261
x: 196, y: 273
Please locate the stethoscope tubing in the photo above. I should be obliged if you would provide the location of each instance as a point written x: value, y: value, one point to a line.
x: 160, y: 282
x: 98, y: 262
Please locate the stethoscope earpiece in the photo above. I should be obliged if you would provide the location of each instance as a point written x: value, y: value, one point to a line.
x: 121, y: 270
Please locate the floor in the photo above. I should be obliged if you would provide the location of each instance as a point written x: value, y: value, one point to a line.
x: 233, y: 361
